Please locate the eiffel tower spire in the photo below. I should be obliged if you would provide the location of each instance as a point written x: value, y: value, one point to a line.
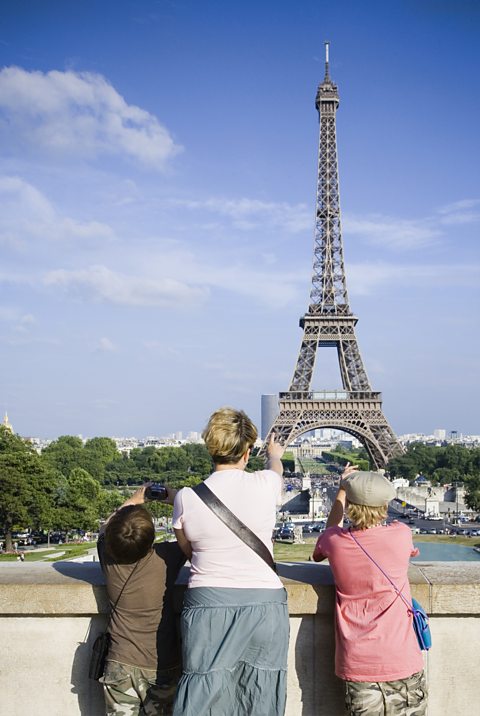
x: 328, y: 321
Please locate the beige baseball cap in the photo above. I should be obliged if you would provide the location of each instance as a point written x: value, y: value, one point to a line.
x: 368, y: 488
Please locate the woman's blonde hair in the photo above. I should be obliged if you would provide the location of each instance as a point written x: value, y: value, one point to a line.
x: 364, y: 516
x: 228, y: 435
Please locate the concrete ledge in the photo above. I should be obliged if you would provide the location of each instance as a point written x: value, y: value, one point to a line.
x: 78, y: 588
x: 61, y: 588
x: 51, y: 613
x: 454, y: 587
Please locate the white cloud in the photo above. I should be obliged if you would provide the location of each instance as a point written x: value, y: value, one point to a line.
x: 105, y: 345
x: 365, y: 278
x: 8, y: 314
x: 465, y: 211
x: 102, y: 283
x: 248, y: 214
x: 392, y: 233
x: 23, y: 321
x: 231, y: 272
x: 28, y: 216
x: 79, y: 113
x: 406, y: 234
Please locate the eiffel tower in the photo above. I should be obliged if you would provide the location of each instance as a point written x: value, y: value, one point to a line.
x: 329, y: 322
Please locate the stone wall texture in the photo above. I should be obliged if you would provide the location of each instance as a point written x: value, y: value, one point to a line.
x: 51, y: 613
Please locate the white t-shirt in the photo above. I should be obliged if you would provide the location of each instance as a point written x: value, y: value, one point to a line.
x: 220, y: 558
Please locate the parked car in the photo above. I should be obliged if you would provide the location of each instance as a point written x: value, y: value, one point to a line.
x: 38, y: 537
x: 20, y: 537
x: 286, y: 533
x: 308, y: 528
x: 58, y: 537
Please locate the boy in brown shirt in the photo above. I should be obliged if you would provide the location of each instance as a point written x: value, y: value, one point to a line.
x: 143, y: 663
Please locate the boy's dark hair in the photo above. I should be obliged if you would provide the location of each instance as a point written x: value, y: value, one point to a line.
x: 129, y: 534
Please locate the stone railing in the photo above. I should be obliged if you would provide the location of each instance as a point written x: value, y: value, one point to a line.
x: 50, y: 614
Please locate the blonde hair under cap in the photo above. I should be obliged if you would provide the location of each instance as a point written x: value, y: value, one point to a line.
x: 368, y: 495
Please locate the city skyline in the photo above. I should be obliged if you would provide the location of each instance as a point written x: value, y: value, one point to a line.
x: 158, y: 194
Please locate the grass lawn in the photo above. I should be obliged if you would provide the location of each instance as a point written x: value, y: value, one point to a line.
x: 54, y: 554
x: 286, y: 552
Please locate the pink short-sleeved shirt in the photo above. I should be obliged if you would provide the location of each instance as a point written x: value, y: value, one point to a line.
x: 220, y: 558
x: 375, y: 640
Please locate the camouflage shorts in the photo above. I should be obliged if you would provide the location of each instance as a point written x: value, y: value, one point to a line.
x: 130, y: 691
x: 406, y: 697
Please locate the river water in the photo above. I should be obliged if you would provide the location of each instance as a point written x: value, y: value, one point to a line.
x: 440, y: 552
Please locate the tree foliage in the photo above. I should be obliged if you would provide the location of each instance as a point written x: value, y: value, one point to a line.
x: 171, y: 465
x: 68, y: 453
x: 341, y: 456
x: 443, y: 466
x: 26, y: 486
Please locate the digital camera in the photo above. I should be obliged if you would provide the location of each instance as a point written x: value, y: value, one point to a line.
x: 156, y: 491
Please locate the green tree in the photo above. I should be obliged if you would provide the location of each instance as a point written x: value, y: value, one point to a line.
x: 405, y: 466
x: 97, y: 454
x: 255, y: 463
x: 472, y: 495
x: 64, y: 454
x: 425, y: 458
x: 122, y: 471
x: 26, y: 486
x: 457, y: 457
x: 79, y: 505
x: 108, y: 501
x: 199, y: 458
x: 446, y: 475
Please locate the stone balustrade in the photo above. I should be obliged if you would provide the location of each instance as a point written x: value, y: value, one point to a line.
x: 50, y: 614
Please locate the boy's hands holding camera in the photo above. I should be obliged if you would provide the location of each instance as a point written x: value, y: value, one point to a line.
x: 151, y: 491
x: 137, y: 498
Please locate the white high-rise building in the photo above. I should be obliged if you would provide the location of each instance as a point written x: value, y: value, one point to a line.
x: 440, y: 434
x: 269, y: 412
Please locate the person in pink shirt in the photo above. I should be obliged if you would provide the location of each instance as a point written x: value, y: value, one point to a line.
x: 377, y: 653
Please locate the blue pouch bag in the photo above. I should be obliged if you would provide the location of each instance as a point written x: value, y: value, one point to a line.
x: 421, y: 625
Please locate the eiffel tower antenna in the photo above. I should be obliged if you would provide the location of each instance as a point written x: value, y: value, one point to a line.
x: 329, y: 321
x: 327, y: 48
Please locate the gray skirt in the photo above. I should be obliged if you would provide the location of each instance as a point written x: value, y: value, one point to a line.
x: 234, y: 646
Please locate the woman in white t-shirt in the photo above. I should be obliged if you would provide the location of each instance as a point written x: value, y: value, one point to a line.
x: 235, y: 616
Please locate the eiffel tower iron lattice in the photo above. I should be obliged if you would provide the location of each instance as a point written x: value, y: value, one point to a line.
x: 329, y: 322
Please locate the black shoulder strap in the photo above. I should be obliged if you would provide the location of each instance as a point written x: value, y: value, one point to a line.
x: 114, y: 606
x: 233, y: 523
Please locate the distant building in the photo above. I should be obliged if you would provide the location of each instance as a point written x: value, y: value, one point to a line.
x: 6, y: 423
x: 440, y: 434
x: 268, y: 414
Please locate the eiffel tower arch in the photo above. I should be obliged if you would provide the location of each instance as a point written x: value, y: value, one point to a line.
x: 328, y: 322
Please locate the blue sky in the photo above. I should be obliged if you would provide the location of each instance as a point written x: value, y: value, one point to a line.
x: 157, y: 185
